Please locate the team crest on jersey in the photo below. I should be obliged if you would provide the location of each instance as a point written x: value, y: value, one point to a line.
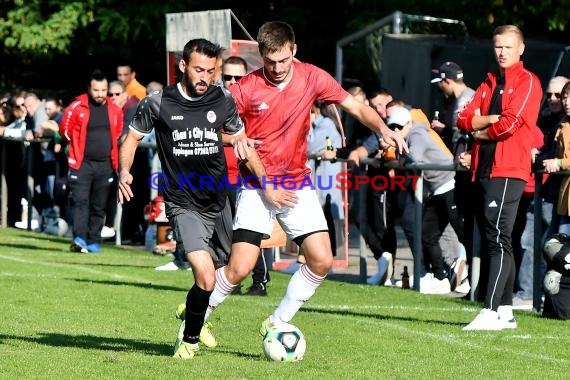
x: 211, y: 116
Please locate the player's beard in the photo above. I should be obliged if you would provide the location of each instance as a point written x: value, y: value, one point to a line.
x: 191, y: 88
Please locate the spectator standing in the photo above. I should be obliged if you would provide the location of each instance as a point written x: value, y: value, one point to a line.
x: 439, y: 208
x: 325, y: 172
x: 133, y: 224
x: 44, y: 155
x: 126, y: 74
x: 561, y: 161
x: 54, y: 110
x: 450, y: 82
x: 548, y: 122
x: 501, y: 116
x: 15, y: 128
x: 91, y: 125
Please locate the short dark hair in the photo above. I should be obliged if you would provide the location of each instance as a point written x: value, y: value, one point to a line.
x: 202, y: 46
x: 235, y: 60
x: 97, y: 75
x: 378, y: 91
x: 274, y: 35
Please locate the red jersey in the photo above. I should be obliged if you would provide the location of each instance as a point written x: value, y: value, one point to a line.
x: 232, y: 163
x: 279, y: 116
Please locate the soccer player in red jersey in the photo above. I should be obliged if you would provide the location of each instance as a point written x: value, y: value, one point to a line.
x: 274, y: 103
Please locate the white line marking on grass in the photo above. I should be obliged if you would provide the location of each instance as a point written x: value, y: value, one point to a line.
x: 9, y: 274
x: 453, y: 339
x: 77, y: 267
x: 457, y: 338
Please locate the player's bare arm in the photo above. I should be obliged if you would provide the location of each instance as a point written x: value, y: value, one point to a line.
x: 126, y: 157
x: 370, y: 118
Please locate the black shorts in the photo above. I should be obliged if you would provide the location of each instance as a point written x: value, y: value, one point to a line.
x: 207, y: 231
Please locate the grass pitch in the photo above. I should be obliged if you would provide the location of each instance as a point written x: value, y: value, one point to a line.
x: 111, y: 316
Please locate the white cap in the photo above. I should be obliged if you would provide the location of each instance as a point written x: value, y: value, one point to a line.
x: 399, y: 116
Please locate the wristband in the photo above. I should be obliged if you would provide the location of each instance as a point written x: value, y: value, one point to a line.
x: 559, y: 163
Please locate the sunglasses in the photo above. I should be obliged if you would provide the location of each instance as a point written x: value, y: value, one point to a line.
x: 395, y: 126
x: 557, y: 95
x: 115, y: 93
x: 228, y: 78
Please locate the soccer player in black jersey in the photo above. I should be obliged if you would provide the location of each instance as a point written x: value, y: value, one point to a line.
x: 188, y: 119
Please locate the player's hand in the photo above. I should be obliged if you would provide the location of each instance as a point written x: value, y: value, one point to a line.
x: 125, y: 191
x: 279, y: 196
x: 394, y: 139
x: 243, y: 145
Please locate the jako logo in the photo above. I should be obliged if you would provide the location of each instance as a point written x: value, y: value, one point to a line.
x: 177, y: 117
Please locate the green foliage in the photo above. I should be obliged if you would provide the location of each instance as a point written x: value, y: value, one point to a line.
x: 42, y: 35
x: 28, y: 30
x: 111, y: 316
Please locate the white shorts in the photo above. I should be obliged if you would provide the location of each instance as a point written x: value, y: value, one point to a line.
x: 254, y: 213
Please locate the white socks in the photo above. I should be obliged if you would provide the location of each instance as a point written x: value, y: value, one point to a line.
x: 222, y: 290
x: 301, y: 288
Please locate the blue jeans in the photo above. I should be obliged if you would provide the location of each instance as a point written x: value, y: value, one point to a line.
x: 526, y: 270
x: 564, y: 227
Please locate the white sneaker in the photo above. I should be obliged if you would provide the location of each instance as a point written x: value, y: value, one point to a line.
x: 464, y: 288
x: 23, y: 225
x: 107, y: 232
x: 487, y: 319
x: 171, y: 266
x: 506, y: 317
x: 431, y: 285
x: 384, y: 264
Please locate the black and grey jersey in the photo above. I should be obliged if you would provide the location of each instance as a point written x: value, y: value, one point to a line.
x: 189, y: 143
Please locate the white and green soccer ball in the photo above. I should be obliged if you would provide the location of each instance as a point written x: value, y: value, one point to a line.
x: 284, y: 343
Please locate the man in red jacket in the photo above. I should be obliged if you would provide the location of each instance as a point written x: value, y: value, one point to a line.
x: 91, y: 124
x: 502, y: 119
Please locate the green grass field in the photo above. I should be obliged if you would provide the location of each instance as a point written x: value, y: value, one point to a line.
x: 111, y: 316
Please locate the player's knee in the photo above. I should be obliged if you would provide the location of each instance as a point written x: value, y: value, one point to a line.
x: 319, y: 264
x: 205, y: 281
x: 237, y: 273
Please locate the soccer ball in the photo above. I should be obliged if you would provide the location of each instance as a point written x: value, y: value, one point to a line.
x: 284, y: 343
x: 57, y: 227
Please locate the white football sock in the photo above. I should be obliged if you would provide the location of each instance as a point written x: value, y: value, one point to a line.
x: 301, y: 288
x: 222, y: 290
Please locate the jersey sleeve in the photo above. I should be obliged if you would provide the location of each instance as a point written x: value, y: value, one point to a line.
x: 146, y: 114
x: 233, y: 123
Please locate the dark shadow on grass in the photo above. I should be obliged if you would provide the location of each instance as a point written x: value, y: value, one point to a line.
x: 135, y: 284
x: 29, y: 247
x: 376, y: 316
x: 88, y: 264
x: 344, y: 277
x: 240, y: 354
x: 92, y: 342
